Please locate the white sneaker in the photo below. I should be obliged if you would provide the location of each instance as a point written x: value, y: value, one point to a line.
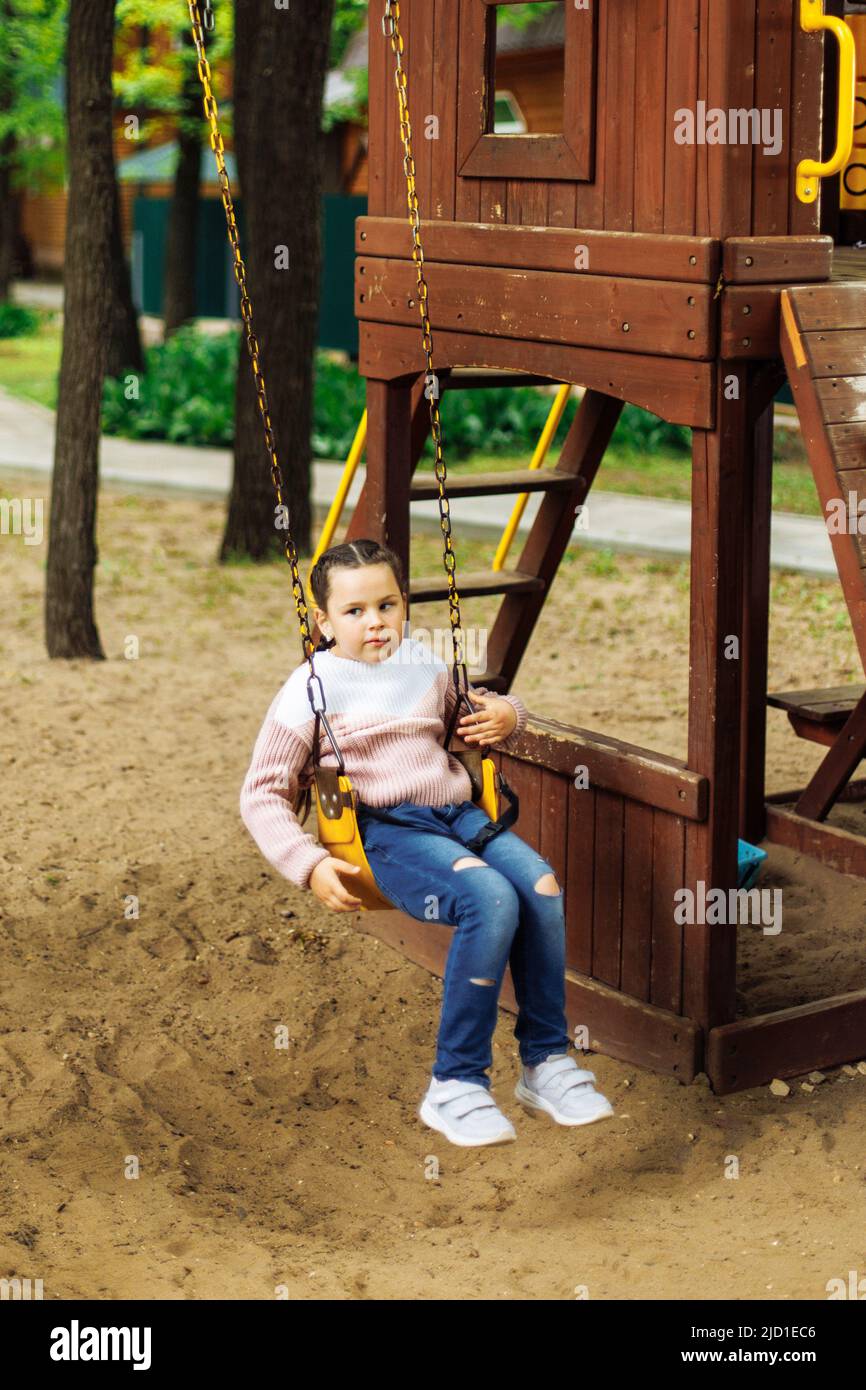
x: 562, y: 1089
x: 466, y: 1113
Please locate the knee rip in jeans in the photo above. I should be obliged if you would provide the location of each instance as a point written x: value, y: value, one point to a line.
x: 548, y: 885
x: 469, y: 863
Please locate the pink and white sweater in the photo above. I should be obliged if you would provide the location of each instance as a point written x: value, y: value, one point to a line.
x: 389, y: 719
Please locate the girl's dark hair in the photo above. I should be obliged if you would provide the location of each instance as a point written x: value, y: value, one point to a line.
x: 350, y: 555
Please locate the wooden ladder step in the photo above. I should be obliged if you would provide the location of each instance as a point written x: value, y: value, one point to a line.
x: 424, y: 486
x: 429, y: 588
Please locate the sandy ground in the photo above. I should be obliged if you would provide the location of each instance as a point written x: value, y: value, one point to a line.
x: 151, y: 1040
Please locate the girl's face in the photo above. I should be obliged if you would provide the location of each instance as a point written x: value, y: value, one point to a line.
x: 365, y: 613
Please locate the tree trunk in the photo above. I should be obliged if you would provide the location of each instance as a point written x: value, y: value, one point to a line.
x: 8, y: 200
x: 281, y: 60
x: 70, y: 630
x: 180, y: 258
x: 124, y: 340
x: 8, y: 213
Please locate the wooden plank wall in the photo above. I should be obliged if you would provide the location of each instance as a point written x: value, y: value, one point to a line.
x: 653, y: 57
x: 620, y: 862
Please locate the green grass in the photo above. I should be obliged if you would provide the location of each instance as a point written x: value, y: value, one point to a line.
x: 29, y: 367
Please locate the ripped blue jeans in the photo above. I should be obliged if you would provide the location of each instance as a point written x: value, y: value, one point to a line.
x: 499, y: 918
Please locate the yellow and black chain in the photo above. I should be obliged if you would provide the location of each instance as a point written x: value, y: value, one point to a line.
x: 216, y: 143
x: 390, y: 27
x: 391, y: 30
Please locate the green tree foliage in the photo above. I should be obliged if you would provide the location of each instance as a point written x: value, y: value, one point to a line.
x: 524, y: 16
x: 150, y: 76
x: 349, y: 17
x: 148, y: 79
x: 32, y: 38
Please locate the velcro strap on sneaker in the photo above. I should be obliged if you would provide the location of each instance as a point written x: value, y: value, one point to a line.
x: 576, y: 1075
x: 578, y: 1078
x: 472, y: 1097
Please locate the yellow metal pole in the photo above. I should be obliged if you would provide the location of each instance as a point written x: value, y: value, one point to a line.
x: 333, y: 518
x: 551, y: 425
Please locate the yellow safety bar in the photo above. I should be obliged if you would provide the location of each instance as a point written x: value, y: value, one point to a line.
x: 333, y: 517
x: 550, y: 427
x: 359, y: 442
x: 809, y: 171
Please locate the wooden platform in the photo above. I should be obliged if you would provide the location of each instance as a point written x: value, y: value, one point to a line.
x: 849, y: 263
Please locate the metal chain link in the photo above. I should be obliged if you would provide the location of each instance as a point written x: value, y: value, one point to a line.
x: 216, y: 142
x: 391, y: 30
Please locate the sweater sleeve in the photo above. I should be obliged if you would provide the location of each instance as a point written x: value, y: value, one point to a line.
x: 506, y: 744
x: 271, y: 785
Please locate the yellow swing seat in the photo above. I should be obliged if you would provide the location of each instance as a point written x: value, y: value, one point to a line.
x: 337, y: 828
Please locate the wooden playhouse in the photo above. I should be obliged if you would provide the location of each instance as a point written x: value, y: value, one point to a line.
x: 687, y: 275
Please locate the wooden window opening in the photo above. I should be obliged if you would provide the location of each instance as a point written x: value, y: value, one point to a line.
x: 483, y: 154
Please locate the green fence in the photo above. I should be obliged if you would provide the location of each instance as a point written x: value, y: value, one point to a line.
x: 216, y: 290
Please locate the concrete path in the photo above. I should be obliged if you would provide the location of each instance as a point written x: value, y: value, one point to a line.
x: 618, y: 520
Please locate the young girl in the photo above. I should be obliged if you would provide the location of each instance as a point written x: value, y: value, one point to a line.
x: 388, y: 700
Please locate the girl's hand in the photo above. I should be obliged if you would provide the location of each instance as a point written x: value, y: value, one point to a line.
x: 494, y: 721
x: 328, y: 887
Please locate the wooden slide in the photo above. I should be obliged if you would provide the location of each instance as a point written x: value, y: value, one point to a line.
x: 824, y: 348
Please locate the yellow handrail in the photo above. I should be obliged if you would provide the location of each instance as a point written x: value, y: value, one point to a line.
x: 550, y: 427
x: 809, y: 171
x: 333, y: 518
